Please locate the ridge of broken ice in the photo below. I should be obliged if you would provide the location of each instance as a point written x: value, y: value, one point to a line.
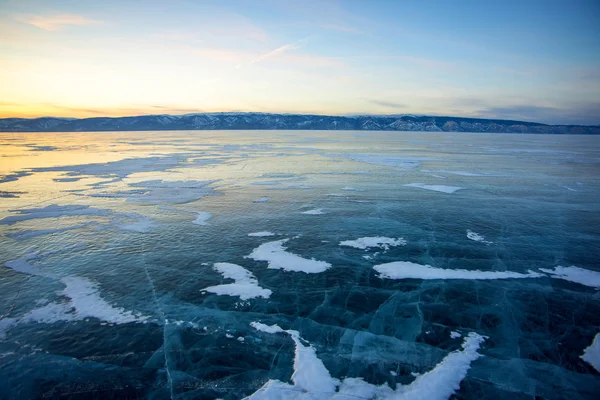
x: 278, y: 258
x: 575, y: 274
x: 373, y: 241
x: 312, y: 380
x: 410, y: 270
x: 435, y: 188
x: 245, y: 284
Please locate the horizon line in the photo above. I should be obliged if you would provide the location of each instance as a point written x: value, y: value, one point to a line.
x: 301, y: 113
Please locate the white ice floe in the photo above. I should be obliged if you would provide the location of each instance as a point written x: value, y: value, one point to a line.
x: 374, y: 241
x: 312, y: 380
x: 278, y: 258
x: 477, y: 237
x: 575, y: 274
x: 261, y: 200
x: 436, y: 188
x: 53, y: 211
x: 316, y: 211
x: 23, y: 266
x: 245, y: 285
x: 455, y: 335
x: 351, y: 189
x: 591, y: 354
x: 409, y: 270
x: 261, y: 234
x: 202, y: 218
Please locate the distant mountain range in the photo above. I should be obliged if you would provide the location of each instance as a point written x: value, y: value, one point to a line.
x: 235, y: 120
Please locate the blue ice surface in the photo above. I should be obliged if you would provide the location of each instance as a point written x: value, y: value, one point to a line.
x: 126, y: 289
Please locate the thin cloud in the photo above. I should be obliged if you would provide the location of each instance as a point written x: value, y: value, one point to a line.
x: 56, y: 22
x: 282, y: 49
x: 385, y: 103
x: 341, y: 28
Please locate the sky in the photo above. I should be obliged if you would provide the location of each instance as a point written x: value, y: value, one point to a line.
x: 531, y: 60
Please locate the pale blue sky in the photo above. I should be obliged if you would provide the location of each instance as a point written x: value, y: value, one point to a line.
x: 531, y: 59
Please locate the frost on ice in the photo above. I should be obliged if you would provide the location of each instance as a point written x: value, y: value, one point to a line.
x: 312, y: 380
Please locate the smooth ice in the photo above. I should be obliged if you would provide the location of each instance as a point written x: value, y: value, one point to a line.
x: 183, y: 265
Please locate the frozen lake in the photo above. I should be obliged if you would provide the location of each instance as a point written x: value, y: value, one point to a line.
x: 295, y: 264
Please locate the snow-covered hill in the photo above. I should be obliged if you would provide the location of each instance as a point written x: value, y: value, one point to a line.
x: 212, y: 121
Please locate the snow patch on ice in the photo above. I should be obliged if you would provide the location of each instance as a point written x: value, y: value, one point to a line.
x: 575, y: 274
x: 409, y: 270
x: 245, y: 285
x: 591, y: 354
x: 142, y: 225
x: 477, y: 237
x: 312, y: 380
x: 87, y: 302
x: 266, y: 328
x: 455, y: 335
x: 202, y: 218
x: 261, y: 234
x: 436, y: 188
x: 316, y: 211
x: 374, y: 241
x: 278, y: 258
